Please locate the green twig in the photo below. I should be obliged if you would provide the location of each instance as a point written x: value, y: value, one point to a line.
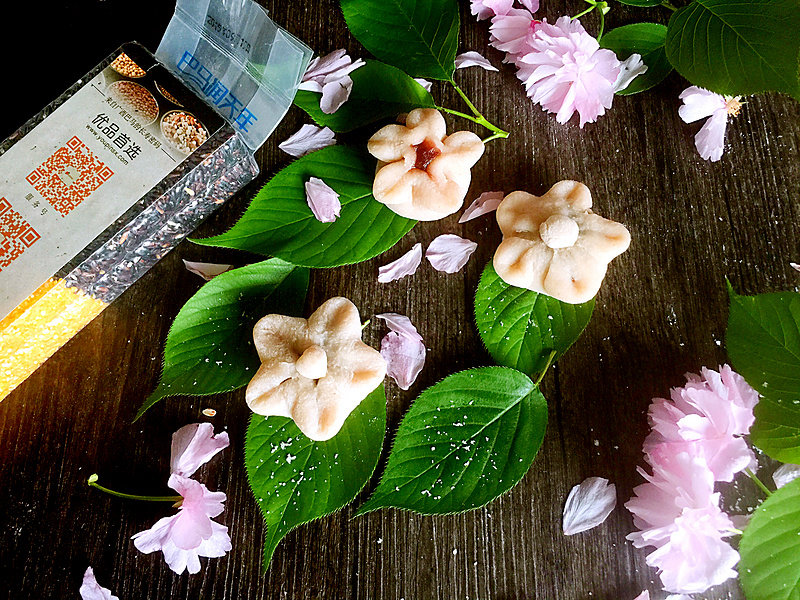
x: 93, y: 483
x: 494, y: 136
x: 546, y: 366
x: 478, y: 117
x: 758, y: 482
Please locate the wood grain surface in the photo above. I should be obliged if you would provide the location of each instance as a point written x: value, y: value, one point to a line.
x: 661, y: 313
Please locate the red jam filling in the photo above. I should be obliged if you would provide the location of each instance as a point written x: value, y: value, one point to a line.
x: 426, y: 152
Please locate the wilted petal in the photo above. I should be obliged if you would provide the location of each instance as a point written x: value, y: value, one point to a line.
x: 91, y: 590
x: 427, y: 85
x: 334, y: 94
x: 323, y: 200
x: 588, y: 505
x: 473, y: 59
x: 206, y: 270
x: 485, y: 203
x: 194, y: 445
x: 405, y: 265
x: 449, y: 253
x: 785, y: 474
x: 404, y: 358
x: 401, y: 324
x: 629, y: 69
x: 308, y: 139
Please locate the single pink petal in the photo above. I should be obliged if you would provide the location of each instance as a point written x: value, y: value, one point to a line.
x: 795, y: 266
x: 629, y: 69
x: 308, y: 139
x: 206, y: 270
x: 645, y: 595
x: 404, y: 358
x: 449, y: 253
x: 426, y: 85
x: 473, y: 59
x: 588, y: 505
x: 485, y: 203
x: 322, y: 200
x: 194, y: 445
x: 485, y: 9
x: 785, y: 474
x: 334, y: 94
x: 531, y: 5
x: 699, y: 104
x: 405, y: 265
x: 91, y: 590
x: 710, y: 140
x: 401, y: 324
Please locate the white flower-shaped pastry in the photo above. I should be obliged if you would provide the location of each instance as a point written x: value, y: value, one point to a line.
x: 423, y: 173
x: 315, y: 371
x: 555, y: 245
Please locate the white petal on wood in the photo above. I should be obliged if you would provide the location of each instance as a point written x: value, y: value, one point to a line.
x: 588, y: 505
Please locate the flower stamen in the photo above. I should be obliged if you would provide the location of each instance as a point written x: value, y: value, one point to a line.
x: 733, y: 105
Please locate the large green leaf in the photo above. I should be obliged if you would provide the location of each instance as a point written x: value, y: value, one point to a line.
x: 763, y: 343
x: 279, y: 222
x: 418, y: 36
x: 209, y: 348
x: 464, y: 442
x: 770, y: 548
x: 380, y: 91
x: 521, y: 328
x: 296, y: 480
x: 646, y: 39
x: 737, y: 46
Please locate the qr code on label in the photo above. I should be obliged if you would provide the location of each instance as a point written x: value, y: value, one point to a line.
x: 69, y: 176
x: 15, y: 234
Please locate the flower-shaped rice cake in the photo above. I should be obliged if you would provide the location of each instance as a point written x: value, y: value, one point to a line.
x: 423, y: 173
x: 555, y: 244
x: 315, y: 371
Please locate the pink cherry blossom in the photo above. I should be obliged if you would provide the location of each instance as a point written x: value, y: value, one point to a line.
x: 485, y: 203
x: 403, y: 266
x: 307, y: 139
x: 699, y: 104
x: 473, y: 59
x: 449, y: 253
x: 206, y: 270
x: 330, y: 76
x: 194, y: 445
x: 588, y: 505
x: 403, y: 349
x: 322, y: 200
x: 485, y: 9
x: 91, y: 590
x: 566, y: 71
x: 513, y: 33
x: 190, y: 533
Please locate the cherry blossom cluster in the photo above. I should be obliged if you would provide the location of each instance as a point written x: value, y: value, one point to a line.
x: 696, y: 440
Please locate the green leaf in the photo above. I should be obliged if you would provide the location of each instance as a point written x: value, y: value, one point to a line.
x: 770, y: 548
x: 209, y: 347
x: 418, y: 36
x: 763, y: 343
x: 521, y: 328
x: 279, y: 222
x: 646, y: 39
x: 737, y: 47
x: 296, y: 480
x: 641, y: 3
x: 380, y: 91
x: 464, y: 442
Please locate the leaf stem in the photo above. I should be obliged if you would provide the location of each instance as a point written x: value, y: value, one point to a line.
x: 584, y: 12
x: 758, y: 482
x: 92, y: 481
x: 494, y: 136
x: 669, y: 5
x: 478, y: 118
x: 546, y: 366
x: 602, y: 22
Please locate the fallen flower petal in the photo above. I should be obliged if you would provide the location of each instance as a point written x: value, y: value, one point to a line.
x: 485, y: 9
x: 206, y: 270
x: 588, y: 505
x: 698, y: 104
x: 308, y: 139
x: 322, y: 200
x: 449, y: 253
x: 795, y: 266
x: 785, y: 474
x: 330, y: 76
x: 405, y: 265
x: 334, y: 94
x: 189, y: 534
x: 485, y: 203
x: 194, y: 445
x: 402, y: 349
x: 401, y: 324
x: 426, y: 85
x: 473, y: 59
x: 91, y: 590
x: 629, y: 69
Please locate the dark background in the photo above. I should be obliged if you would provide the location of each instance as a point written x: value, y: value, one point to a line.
x: 662, y: 312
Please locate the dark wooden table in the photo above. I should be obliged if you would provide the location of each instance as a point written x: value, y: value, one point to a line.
x: 661, y: 313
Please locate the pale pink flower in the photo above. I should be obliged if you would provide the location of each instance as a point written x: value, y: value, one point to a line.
x: 189, y: 534
x: 485, y: 203
x: 473, y: 59
x: 588, y: 505
x: 206, y: 270
x: 307, y: 139
x: 91, y: 590
x: 449, y: 253
x: 513, y: 33
x: 330, y: 76
x: 194, y: 445
x: 403, y: 266
x: 566, y: 71
x: 322, y: 200
x: 485, y: 9
x: 699, y: 104
x: 785, y: 474
x: 403, y: 349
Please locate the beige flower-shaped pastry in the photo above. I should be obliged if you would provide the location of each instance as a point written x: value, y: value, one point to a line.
x: 555, y: 244
x: 423, y: 173
x: 314, y: 370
